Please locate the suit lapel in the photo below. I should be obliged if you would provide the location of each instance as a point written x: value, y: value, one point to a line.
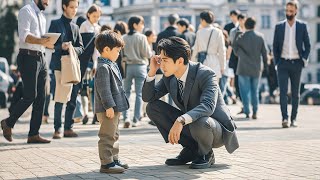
x: 298, y: 34
x: 283, y: 33
x: 189, y: 84
x: 115, y: 71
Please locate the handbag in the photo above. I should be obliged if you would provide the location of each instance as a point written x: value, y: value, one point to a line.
x: 70, y: 68
x: 203, y: 54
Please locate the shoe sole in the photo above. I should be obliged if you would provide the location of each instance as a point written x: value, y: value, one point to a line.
x: 112, y: 171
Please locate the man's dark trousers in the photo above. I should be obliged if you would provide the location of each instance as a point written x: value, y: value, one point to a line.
x: 289, y: 69
x: 33, y: 71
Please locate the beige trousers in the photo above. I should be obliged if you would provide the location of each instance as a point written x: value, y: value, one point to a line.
x: 108, y: 134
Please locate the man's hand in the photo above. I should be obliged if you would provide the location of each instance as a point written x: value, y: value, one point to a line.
x: 66, y: 45
x: 44, y: 40
x: 110, y: 113
x: 154, y: 65
x: 175, y: 131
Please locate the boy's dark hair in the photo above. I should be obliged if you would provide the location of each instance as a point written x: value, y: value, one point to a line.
x: 184, y: 22
x: 175, y: 47
x: 173, y: 18
x: 121, y: 27
x: 208, y: 16
x: 234, y: 12
x: 241, y: 16
x: 110, y: 39
x: 250, y: 23
x: 293, y: 3
x: 92, y: 9
x: 66, y: 3
x: 105, y: 28
x: 134, y: 20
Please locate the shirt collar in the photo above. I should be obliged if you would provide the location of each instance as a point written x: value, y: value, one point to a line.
x: 104, y: 60
x: 183, y: 78
x: 293, y: 26
x: 35, y: 7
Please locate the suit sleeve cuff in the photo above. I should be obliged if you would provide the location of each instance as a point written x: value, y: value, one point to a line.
x: 187, y: 118
x: 149, y: 79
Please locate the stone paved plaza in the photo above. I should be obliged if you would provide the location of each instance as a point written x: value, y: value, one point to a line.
x: 266, y: 151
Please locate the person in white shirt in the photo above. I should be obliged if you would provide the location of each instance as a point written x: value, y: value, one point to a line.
x: 33, y: 69
x: 291, y: 49
x: 216, y: 54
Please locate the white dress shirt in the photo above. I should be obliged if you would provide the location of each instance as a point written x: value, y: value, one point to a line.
x: 183, y: 78
x: 289, y: 49
x: 31, y: 21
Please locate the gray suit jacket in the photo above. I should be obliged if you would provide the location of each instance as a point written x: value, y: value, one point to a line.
x: 108, y: 90
x: 202, y: 97
x: 249, y: 47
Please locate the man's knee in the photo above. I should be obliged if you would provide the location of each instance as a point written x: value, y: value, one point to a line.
x: 201, y: 125
x: 152, y: 107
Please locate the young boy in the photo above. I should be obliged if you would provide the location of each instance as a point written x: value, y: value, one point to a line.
x: 110, y: 100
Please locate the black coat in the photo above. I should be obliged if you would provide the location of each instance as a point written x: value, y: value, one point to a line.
x: 57, y: 26
x: 189, y: 36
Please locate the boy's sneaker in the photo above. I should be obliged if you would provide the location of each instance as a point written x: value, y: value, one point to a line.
x: 121, y: 164
x: 111, y: 168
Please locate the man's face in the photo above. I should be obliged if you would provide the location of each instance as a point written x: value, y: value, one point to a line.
x: 291, y: 12
x: 234, y: 18
x: 242, y: 21
x: 70, y: 11
x: 167, y: 65
x: 42, y: 4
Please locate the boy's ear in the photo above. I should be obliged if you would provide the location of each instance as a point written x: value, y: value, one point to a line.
x: 106, y: 49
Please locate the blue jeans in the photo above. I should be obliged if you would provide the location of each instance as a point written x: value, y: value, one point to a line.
x: 70, y: 109
x: 78, y: 113
x: 138, y: 72
x: 249, y: 92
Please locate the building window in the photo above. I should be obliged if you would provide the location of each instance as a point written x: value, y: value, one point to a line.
x: 318, y: 76
x: 232, y: 1
x: 265, y: 22
x: 318, y: 11
x: 131, y: 2
x: 251, y: 1
x: 318, y: 33
x: 318, y: 57
x: 309, y: 78
x: 105, y: 2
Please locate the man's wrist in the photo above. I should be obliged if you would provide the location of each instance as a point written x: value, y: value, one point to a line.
x: 152, y: 73
x: 181, y: 120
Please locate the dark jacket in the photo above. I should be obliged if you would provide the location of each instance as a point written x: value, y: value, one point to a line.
x: 58, y: 26
x: 302, y: 41
x: 228, y: 27
x: 189, y: 36
x: 168, y: 32
x: 250, y: 47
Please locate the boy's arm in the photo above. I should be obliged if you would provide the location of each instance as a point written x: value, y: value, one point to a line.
x: 103, y: 87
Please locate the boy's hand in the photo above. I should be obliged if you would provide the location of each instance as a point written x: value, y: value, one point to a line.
x: 110, y: 113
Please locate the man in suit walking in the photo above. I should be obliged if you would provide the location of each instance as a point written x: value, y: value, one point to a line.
x: 202, y: 121
x: 234, y: 21
x: 291, y: 48
x: 249, y: 47
x: 70, y: 35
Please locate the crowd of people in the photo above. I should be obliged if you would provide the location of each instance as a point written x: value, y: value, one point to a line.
x: 195, y: 74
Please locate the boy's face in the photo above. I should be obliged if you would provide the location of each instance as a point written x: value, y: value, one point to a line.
x: 111, y: 54
x: 168, y: 66
x: 180, y: 28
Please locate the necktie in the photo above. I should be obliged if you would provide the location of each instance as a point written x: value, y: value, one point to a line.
x: 180, y: 85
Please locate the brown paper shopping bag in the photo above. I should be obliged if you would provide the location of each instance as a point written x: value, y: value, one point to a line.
x: 70, y: 68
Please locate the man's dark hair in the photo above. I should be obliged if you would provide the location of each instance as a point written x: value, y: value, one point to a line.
x: 121, y: 27
x: 175, y: 47
x: 234, y: 12
x: 66, y: 3
x: 208, y: 16
x: 250, y: 23
x: 148, y: 32
x: 134, y: 20
x: 184, y: 22
x: 110, y: 39
x: 241, y: 16
x: 293, y: 3
x: 173, y: 18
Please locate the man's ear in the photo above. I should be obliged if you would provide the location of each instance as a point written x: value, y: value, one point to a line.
x: 106, y: 49
x: 181, y: 60
x: 64, y: 7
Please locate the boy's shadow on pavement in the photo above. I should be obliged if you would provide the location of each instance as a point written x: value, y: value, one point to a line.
x: 144, y: 172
